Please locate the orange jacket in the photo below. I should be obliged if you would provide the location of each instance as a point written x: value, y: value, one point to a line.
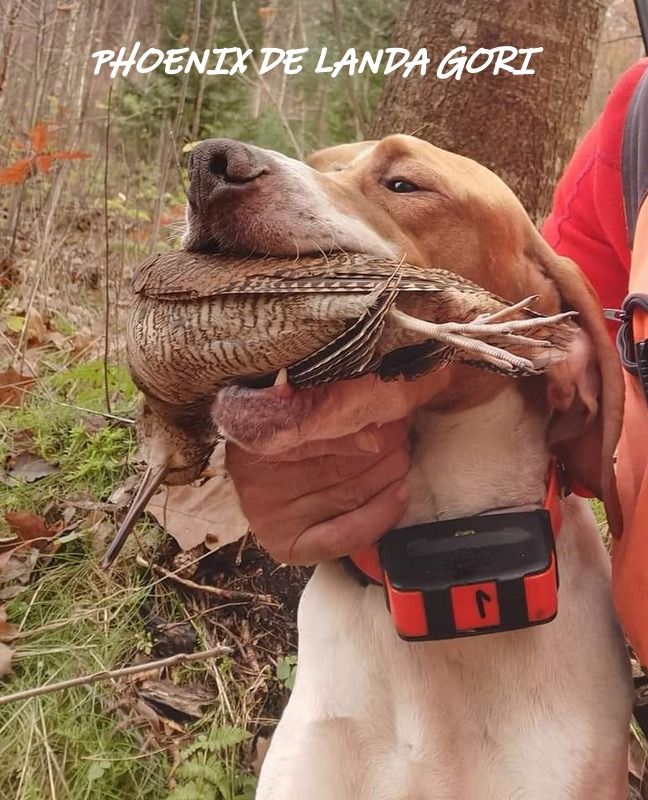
x: 630, y: 555
x: 591, y: 224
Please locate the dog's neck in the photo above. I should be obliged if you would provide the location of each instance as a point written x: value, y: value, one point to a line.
x: 491, y: 456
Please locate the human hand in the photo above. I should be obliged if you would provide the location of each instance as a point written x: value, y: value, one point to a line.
x: 327, y: 498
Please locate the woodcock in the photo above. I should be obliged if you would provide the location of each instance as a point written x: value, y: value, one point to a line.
x: 202, y: 321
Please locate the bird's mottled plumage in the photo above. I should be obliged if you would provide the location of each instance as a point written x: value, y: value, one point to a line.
x: 233, y: 318
x: 200, y: 321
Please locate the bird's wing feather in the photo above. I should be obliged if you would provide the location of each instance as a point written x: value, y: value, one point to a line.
x: 191, y: 276
x: 353, y: 352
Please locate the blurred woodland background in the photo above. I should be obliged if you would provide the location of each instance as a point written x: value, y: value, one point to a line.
x: 91, y: 181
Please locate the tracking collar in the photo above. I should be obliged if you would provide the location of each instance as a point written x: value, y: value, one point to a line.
x: 461, y: 577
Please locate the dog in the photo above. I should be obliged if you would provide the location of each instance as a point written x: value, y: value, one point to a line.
x: 540, y: 713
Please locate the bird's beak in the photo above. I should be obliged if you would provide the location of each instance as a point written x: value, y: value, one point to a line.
x: 152, y: 479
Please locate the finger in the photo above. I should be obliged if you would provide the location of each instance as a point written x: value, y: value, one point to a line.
x: 351, y: 531
x: 261, y: 484
x: 370, y: 440
x: 345, y: 495
x: 277, y: 525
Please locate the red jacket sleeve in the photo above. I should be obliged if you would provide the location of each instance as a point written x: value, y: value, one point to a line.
x: 587, y: 222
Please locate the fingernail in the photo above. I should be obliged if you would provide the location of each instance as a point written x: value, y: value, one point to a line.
x: 402, y: 493
x: 367, y: 442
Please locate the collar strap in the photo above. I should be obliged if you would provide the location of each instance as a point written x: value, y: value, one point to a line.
x: 632, y: 338
x: 366, y: 566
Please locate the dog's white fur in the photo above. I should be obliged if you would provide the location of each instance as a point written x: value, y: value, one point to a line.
x: 537, y: 714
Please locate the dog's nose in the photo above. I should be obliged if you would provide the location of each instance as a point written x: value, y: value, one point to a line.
x: 221, y: 163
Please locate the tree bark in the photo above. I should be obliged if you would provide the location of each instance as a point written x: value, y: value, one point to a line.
x: 523, y: 127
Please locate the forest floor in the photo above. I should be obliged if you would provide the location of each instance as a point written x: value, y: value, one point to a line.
x: 68, y: 467
x: 193, y: 730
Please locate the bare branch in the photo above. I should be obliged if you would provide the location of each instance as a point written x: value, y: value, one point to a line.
x: 107, y: 675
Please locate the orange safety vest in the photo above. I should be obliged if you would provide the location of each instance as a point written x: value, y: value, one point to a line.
x: 630, y: 552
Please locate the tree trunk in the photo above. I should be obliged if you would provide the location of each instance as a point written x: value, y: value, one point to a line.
x: 524, y: 127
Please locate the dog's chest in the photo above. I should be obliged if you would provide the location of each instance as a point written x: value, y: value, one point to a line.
x: 484, y: 718
x: 411, y: 721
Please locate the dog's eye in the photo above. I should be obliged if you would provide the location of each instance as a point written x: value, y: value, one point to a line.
x: 400, y: 186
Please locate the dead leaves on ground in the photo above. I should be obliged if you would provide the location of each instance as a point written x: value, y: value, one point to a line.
x: 6, y: 656
x: 18, y: 557
x: 203, y: 513
x: 27, y: 335
x: 8, y: 633
x: 29, y: 527
x: 25, y: 466
x: 13, y: 385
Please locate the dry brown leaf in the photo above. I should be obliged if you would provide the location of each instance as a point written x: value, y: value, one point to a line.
x: 16, y: 566
x: 35, y: 330
x: 57, y: 340
x: 28, y: 526
x: 208, y: 513
x: 190, y: 701
x: 26, y: 466
x: 82, y: 341
x: 122, y: 495
x: 8, y: 632
x: 12, y: 387
x: 6, y: 654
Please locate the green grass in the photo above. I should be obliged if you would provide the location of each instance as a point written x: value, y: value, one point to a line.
x: 75, y: 619
x: 67, y: 740
x: 91, y: 461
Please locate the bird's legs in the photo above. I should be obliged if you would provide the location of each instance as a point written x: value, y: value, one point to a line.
x: 460, y: 335
x: 505, y: 313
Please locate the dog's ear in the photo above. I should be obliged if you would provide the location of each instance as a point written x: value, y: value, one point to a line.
x: 586, y: 390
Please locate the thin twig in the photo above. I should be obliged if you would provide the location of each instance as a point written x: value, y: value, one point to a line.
x: 176, y: 158
x: 105, y: 675
x: 107, y: 255
x: 264, y: 85
x: 230, y: 594
x: 105, y: 414
x: 353, y: 97
x: 621, y: 38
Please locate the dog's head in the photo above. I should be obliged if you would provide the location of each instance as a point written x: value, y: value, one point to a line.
x: 404, y: 197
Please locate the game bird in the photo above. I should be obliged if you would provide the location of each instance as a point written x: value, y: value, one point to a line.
x: 201, y: 321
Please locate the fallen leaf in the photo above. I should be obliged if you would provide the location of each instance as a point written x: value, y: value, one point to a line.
x: 122, y: 495
x: 57, y: 340
x: 8, y: 631
x: 6, y: 654
x: 35, y: 329
x: 167, y: 697
x: 12, y: 387
x: 26, y: 466
x: 82, y: 341
x: 91, y: 423
x: 209, y: 512
x: 16, y: 566
x: 28, y: 526
x: 14, y: 323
